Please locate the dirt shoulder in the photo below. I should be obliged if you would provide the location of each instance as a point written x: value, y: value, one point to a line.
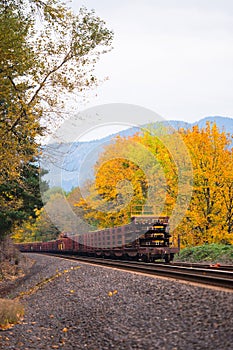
x: 13, y: 272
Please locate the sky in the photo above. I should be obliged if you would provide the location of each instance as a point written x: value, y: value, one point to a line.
x: 174, y: 57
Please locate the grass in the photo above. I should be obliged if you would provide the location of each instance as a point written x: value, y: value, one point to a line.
x: 214, y: 253
x: 11, y: 312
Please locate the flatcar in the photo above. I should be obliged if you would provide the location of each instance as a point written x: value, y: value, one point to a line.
x: 146, y: 238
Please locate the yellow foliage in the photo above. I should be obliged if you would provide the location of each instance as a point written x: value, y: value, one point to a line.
x: 125, y: 173
x: 209, y: 218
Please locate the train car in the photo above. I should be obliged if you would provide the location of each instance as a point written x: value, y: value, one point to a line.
x: 146, y: 238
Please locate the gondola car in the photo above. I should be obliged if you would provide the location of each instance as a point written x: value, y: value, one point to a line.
x: 146, y: 238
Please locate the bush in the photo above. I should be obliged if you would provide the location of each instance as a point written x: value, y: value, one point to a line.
x: 11, y: 312
x: 207, y: 253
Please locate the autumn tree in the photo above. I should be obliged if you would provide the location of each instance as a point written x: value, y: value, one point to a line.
x: 166, y: 186
x: 56, y: 216
x: 49, y: 53
x: 39, y: 229
x: 209, y: 217
x: 227, y: 194
x: 186, y: 175
x: 206, y: 185
x: 127, y: 177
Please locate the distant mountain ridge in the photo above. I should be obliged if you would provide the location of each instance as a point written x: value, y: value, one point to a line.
x: 74, y: 155
x: 223, y: 124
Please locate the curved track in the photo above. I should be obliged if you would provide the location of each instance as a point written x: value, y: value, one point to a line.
x: 204, y: 275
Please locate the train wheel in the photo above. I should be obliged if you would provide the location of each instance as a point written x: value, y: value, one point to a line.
x: 144, y: 258
x: 167, y: 258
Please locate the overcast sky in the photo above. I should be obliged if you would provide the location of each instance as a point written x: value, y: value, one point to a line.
x: 172, y: 56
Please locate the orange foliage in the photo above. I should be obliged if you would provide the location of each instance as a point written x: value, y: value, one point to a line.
x: 146, y: 169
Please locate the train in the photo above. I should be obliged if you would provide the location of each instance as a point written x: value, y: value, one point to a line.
x: 146, y: 238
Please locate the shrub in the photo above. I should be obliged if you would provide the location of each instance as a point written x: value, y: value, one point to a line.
x: 11, y: 312
x: 207, y: 253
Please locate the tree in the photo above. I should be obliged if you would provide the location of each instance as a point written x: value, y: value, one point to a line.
x: 227, y: 193
x: 209, y: 217
x: 18, y: 125
x: 49, y: 53
x: 162, y: 173
x: 39, y: 229
x: 165, y: 179
x: 49, y: 192
x: 128, y: 176
x: 22, y: 197
x: 119, y: 184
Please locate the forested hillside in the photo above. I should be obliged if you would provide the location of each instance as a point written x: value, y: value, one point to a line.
x: 145, y: 169
x: 76, y: 153
x: 120, y: 182
x: 50, y: 53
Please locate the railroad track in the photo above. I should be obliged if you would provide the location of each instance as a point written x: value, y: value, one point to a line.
x: 204, y: 275
x: 204, y: 266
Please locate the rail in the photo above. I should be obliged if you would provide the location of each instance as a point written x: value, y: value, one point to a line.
x: 208, y: 276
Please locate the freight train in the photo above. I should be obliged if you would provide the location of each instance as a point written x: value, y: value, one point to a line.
x: 146, y: 238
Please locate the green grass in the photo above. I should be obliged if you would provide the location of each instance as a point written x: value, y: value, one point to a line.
x: 214, y: 253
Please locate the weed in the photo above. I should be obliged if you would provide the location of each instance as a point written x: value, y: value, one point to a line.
x: 11, y: 312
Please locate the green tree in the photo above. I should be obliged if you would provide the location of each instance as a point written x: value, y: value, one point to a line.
x: 49, y: 192
x: 22, y: 197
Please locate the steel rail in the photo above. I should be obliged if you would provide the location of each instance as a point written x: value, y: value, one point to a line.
x: 217, y: 266
x: 213, y: 277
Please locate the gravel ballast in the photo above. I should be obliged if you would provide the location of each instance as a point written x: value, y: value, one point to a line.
x: 71, y: 305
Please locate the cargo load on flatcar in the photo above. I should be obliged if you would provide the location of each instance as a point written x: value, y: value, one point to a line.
x: 145, y: 238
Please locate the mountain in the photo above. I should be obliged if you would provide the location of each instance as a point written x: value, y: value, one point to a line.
x: 70, y: 165
x: 223, y: 123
